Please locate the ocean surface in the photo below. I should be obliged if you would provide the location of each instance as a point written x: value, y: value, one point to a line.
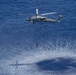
x: 56, y: 50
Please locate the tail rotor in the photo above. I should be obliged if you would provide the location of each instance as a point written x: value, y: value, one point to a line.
x: 59, y: 18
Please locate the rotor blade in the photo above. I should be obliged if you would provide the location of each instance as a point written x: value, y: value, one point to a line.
x: 36, y: 11
x: 49, y: 13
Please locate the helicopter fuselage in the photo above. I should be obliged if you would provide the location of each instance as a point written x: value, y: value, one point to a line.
x: 42, y: 19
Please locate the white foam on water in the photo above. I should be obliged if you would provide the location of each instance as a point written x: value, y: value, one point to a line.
x: 36, y: 55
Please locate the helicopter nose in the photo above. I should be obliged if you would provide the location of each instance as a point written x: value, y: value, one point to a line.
x: 28, y: 19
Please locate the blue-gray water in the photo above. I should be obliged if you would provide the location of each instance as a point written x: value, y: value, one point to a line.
x: 56, y: 53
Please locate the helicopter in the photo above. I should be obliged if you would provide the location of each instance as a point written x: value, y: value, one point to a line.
x: 40, y: 18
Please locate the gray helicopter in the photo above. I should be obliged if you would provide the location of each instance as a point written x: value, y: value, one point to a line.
x: 41, y: 18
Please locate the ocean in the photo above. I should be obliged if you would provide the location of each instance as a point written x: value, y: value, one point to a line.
x: 56, y: 50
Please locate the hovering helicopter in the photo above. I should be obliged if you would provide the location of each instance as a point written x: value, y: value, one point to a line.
x: 41, y: 18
